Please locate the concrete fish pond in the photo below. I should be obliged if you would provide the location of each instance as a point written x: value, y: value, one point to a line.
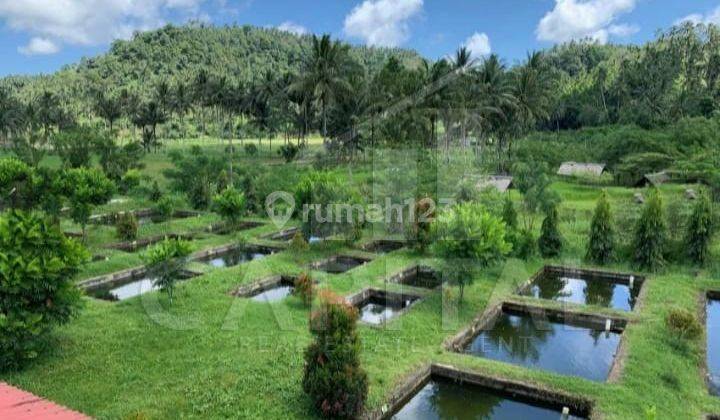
x: 585, y: 287
x: 283, y: 235
x: 443, y: 392
x: 378, y: 306
x: 383, y: 246
x: 338, y: 264
x: 418, y: 276
x: 573, y: 344
x: 713, y: 342
x: 270, y: 289
x: 125, y: 285
x: 238, y: 254
x: 144, y: 217
x: 140, y: 244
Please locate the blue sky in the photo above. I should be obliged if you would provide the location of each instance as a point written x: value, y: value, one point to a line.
x: 39, y: 36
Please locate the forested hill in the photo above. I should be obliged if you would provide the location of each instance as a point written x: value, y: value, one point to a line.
x: 240, y: 53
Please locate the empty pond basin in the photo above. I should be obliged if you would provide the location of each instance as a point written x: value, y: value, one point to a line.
x: 377, y: 308
x: 418, y: 276
x: 713, y: 345
x: 547, y: 343
x: 238, y: 256
x: 445, y: 399
x: 338, y: 264
x: 585, y: 288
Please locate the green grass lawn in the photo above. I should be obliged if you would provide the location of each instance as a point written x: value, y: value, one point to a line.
x: 211, y: 355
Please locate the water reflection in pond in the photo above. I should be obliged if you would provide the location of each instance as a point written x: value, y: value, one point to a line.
x: 584, y: 290
x: 339, y: 265
x: 238, y: 256
x: 443, y: 399
x: 566, y: 349
x: 127, y: 290
x: 713, y: 345
x: 274, y: 294
x: 377, y: 310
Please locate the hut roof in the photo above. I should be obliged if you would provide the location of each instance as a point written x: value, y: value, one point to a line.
x: 499, y: 182
x: 576, y: 168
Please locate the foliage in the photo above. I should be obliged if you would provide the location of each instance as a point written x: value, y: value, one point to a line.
x: 165, y: 262
x: 298, y: 243
x: 550, y: 241
x: 118, y: 160
x: 319, y: 194
x: 700, y: 230
x: 524, y: 244
x: 601, y: 244
x: 86, y: 188
x: 126, y: 226
x: 230, y: 205
x: 467, y: 235
x: 131, y: 179
x: 250, y: 149
x: 37, y: 267
x: 74, y: 146
x: 305, y: 288
x: 333, y: 377
x: 165, y: 207
x: 155, y: 192
x: 289, y: 152
x: 15, y: 183
x: 509, y: 214
x: 195, y: 174
x: 467, y: 191
x: 683, y: 323
x: 419, y: 231
x: 650, y: 234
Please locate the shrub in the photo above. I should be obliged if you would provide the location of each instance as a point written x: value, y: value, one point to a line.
x: 304, y: 288
x: 418, y: 232
x: 250, y: 149
x: 126, y: 226
x: 230, y: 205
x: 165, y: 262
x: 85, y: 188
x: 165, y: 207
x: 130, y: 180
x: 155, y: 192
x: 524, y: 244
x: 601, y: 246
x: 650, y: 234
x: 15, y: 183
x: 37, y: 293
x: 467, y: 191
x: 467, y: 235
x: 683, y: 324
x: 289, y: 152
x: 298, y: 243
x: 333, y: 377
x: 550, y: 240
x: 322, y: 191
x: 509, y: 214
x: 700, y: 230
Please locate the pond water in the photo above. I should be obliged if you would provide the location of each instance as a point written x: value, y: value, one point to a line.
x: 444, y: 399
x: 384, y: 246
x: 274, y: 294
x: 426, y: 279
x: 584, y: 290
x: 238, y: 256
x: 126, y: 291
x: 519, y: 339
x: 713, y: 345
x: 377, y: 310
x: 340, y: 265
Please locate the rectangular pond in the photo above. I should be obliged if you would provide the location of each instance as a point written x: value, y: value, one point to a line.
x: 338, y: 264
x: 442, y: 398
x: 418, y: 276
x: 383, y: 246
x: 713, y: 343
x: 270, y: 289
x: 376, y: 306
x: 547, y: 340
x: 585, y: 287
x: 238, y: 255
x: 129, y: 287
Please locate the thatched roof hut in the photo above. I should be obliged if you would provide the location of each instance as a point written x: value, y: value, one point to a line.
x: 500, y: 182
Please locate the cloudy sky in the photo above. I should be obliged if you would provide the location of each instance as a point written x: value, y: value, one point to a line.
x: 42, y: 35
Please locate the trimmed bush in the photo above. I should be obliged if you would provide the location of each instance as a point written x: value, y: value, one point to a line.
x: 298, y: 243
x: 165, y: 207
x: 37, y: 293
x: 601, y: 246
x: 651, y: 235
x: 155, y: 192
x: 509, y: 214
x: 289, y: 152
x: 230, y: 205
x: 165, y: 262
x: 304, y: 288
x: 333, y: 377
x: 550, y: 241
x: 418, y: 231
x: 126, y: 226
x: 683, y: 324
x: 700, y: 231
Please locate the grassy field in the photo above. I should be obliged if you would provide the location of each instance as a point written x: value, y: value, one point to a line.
x: 211, y: 355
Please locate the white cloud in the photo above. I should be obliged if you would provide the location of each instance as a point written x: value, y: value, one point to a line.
x: 89, y: 22
x: 39, y: 46
x: 578, y: 19
x: 293, y: 28
x: 711, y: 17
x: 479, y: 45
x: 382, y: 22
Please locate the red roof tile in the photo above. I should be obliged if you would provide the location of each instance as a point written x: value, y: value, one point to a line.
x: 20, y: 405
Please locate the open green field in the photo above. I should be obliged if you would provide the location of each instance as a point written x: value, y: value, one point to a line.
x: 211, y: 355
